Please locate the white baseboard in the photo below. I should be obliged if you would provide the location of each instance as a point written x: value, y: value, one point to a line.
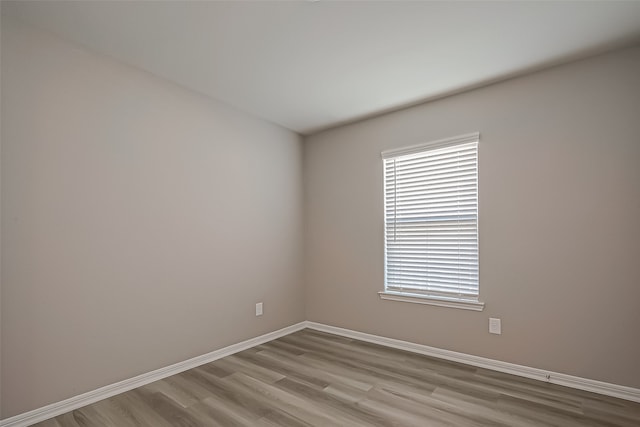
x: 58, y: 408
x: 607, y: 389
x: 37, y: 415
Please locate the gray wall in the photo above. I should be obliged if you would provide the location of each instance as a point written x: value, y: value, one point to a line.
x: 559, y: 221
x: 140, y: 222
x: 0, y: 226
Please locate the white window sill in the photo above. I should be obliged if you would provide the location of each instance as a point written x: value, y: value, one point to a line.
x: 431, y: 300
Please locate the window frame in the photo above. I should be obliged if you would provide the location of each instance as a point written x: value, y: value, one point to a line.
x: 472, y: 303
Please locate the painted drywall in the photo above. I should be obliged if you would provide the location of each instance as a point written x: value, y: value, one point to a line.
x: 0, y: 227
x: 559, y: 203
x: 140, y: 222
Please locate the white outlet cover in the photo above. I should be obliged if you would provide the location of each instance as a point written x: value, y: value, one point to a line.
x: 259, y: 309
x: 495, y: 326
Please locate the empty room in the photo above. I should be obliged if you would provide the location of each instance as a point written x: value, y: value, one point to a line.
x: 319, y: 213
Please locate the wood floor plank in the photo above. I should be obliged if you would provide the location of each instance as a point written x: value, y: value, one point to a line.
x: 224, y: 413
x: 312, y: 378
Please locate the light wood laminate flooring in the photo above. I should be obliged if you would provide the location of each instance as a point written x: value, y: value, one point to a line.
x: 311, y: 378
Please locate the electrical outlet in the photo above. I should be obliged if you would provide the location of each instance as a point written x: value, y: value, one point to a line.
x: 495, y: 326
x: 259, y: 309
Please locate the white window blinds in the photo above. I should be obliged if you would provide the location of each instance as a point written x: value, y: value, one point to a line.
x: 431, y: 219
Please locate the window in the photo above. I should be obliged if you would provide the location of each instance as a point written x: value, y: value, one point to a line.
x: 431, y: 223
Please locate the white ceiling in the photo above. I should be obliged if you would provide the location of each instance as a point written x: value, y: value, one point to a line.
x: 311, y: 65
